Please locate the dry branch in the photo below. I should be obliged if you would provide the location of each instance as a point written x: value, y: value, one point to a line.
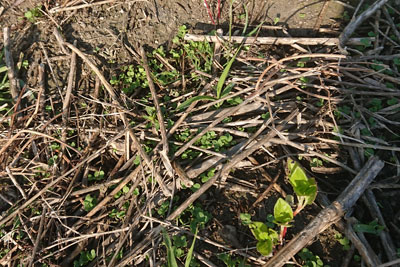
x: 275, y: 40
x: 12, y: 77
x: 330, y: 214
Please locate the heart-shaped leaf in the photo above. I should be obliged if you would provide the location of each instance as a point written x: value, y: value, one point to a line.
x: 282, y: 212
x: 265, y: 247
x: 259, y: 230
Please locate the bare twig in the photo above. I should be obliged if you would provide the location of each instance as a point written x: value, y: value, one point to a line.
x: 12, y: 77
x: 15, y: 182
x: 39, y: 234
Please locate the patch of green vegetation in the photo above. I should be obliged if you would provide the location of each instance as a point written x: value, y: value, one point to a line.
x: 371, y: 228
x: 33, y: 14
x: 316, y: 162
x: 230, y: 261
x: 84, y: 258
x: 175, y: 249
x: 306, y: 191
x: 96, y: 176
x: 119, y: 214
x: 309, y: 259
x: 200, y: 54
x: 343, y: 241
x: 220, y: 90
x: 342, y: 110
x: 89, y: 203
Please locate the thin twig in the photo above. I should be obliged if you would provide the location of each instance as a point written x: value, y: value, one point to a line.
x: 15, y: 182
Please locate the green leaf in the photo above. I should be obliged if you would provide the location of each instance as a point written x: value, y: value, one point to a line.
x: 125, y: 189
x: 170, y: 250
x: 190, y: 253
x: 89, y: 202
x: 259, y: 230
x: 371, y: 228
x: 282, y: 212
x: 265, y: 247
x: 225, y: 73
x: 180, y: 241
x: 298, y: 178
x: 194, y: 99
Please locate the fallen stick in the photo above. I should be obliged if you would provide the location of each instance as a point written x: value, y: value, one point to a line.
x: 330, y: 214
x: 12, y: 77
x: 275, y: 40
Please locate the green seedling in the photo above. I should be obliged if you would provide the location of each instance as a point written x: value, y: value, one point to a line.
x: 85, y: 257
x: 205, y: 176
x: 392, y: 101
x: 374, y: 105
x: 316, y: 162
x: 372, y: 228
x: 171, y: 260
x: 343, y: 241
x: 266, y: 237
x: 89, y: 203
x: 174, y: 250
x: 302, y: 62
x: 119, y: 214
x: 199, y: 54
x: 96, y: 176
x: 304, y: 187
x: 309, y: 259
x: 220, y: 90
x: 33, y: 14
x: 283, y: 215
x: 229, y: 261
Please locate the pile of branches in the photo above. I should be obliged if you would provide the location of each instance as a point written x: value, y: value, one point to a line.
x: 66, y: 168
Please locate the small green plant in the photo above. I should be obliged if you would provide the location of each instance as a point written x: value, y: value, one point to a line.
x: 84, y: 258
x: 220, y: 90
x: 266, y: 237
x: 302, y: 62
x: 200, y: 54
x: 371, y: 228
x: 306, y: 191
x: 283, y: 215
x: 304, y: 187
x: 119, y: 214
x: 175, y: 249
x: 89, y: 203
x: 4, y: 252
x: 309, y: 259
x: 343, y: 241
x: 33, y: 14
x: 316, y: 162
x: 96, y: 176
x: 230, y: 261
